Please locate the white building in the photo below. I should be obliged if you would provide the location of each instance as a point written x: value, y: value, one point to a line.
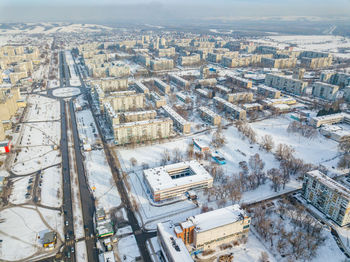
x: 173, y: 181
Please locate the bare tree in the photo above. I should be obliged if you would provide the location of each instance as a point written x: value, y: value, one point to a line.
x: 267, y: 143
x: 133, y: 161
x: 275, y: 176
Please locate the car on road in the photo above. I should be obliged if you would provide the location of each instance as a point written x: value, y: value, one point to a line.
x: 29, y: 187
x: 68, y: 254
x: 72, y: 249
x: 66, y: 223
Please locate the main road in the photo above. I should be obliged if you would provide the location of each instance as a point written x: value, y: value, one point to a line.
x: 140, y: 235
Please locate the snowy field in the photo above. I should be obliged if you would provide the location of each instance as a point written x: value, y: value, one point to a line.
x: 318, y: 150
x: 81, y: 252
x: 19, y: 189
x: 20, y: 229
x: 51, y: 190
x: 42, y: 108
x: 320, y: 43
x: 66, y: 92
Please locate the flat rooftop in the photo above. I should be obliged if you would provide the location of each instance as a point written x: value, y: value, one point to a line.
x: 217, y: 218
x: 174, y: 175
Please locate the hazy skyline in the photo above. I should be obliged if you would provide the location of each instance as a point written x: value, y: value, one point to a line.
x: 164, y: 10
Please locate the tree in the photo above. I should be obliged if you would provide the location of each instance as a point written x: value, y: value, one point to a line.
x: 284, y: 152
x: 267, y: 143
x: 177, y: 155
x: 257, y: 166
x: 264, y: 257
x: 275, y: 176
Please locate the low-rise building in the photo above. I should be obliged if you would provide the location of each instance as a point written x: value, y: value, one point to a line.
x: 327, y: 195
x: 173, y: 181
x: 252, y: 107
x: 210, y: 116
x: 330, y: 119
x: 237, y: 112
x: 179, y: 122
x: 49, y: 240
x: 222, y: 89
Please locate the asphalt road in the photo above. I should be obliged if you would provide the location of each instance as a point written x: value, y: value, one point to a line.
x: 140, y: 235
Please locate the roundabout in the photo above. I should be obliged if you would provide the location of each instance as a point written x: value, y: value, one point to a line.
x: 66, y: 92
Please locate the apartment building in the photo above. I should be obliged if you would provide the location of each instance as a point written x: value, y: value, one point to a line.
x: 217, y: 55
x: 328, y: 196
x: 165, y: 88
x: 118, y: 70
x: 179, y: 122
x: 237, y: 112
x: 207, y: 82
x: 279, y: 62
x: 174, y: 180
x: 268, y: 92
x: 240, y: 97
x: 285, y: 83
x: 2, y: 132
x: 330, y: 119
x: 240, y: 81
x: 212, y: 229
x: 141, y: 87
x: 335, y: 78
x: 202, y: 92
x: 161, y: 64
x: 144, y: 59
x: 244, y: 60
x: 347, y: 93
x: 109, y: 85
x: 316, y: 63
x: 122, y: 102
x: 15, y: 77
x: 179, y: 80
x: 210, y: 116
x: 134, y: 116
x: 158, y: 100
x: 162, y: 52
x: 314, y: 54
x: 8, y: 103
x: 324, y: 90
x: 252, y: 107
x: 135, y: 132
x: 190, y: 60
x: 222, y: 89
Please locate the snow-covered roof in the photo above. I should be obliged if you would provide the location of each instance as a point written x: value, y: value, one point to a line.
x: 174, y: 115
x: 159, y: 178
x: 143, y: 122
x: 268, y: 88
x: 228, y: 104
x: 217, y: 218
x: 208, y: 111
x: 175, y: 246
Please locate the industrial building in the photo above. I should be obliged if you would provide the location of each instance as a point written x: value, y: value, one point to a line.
x: 179, y: 122
x: 328, y: 196
x: 210, y: 116
x: 237, y: 112
x: 173, y: 181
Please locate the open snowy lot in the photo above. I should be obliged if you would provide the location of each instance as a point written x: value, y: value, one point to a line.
x: 42, y: 108
x: 20, y: 229
x: 51, y: 190
x: 318, y: 150
x: 128, y: 249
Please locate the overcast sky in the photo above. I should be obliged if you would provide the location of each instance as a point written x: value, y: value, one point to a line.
x: 161, y: 10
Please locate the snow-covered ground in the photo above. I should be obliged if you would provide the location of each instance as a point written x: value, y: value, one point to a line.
x: 66, y: 92
x: 318, y: 150
x: 81, y: 252
x: 20, y: 229
x: 128, y: 250
x: 320, y: 43
x: 51, y: 190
